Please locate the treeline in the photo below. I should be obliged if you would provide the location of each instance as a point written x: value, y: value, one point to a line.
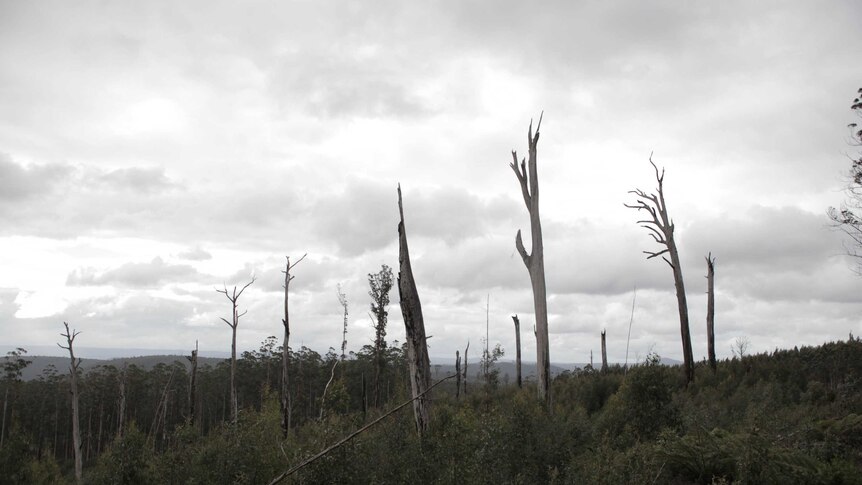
x: 790, y: 416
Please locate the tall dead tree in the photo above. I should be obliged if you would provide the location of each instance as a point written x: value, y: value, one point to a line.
x: 233, y: 324
x: 193, y: 360
x: 467, y: 349
x: 414, y: 325
x: 604, y: 354
x: 661, y: 229
x: 710, y: 311
x: 517, y: 350
x: 121, y: 405
x: 285, y: 351
x: 73, y: 389
x: 342, y: 299
x: 457, y: 375
x: 528, y: 178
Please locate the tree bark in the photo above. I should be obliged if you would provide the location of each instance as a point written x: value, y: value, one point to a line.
x: 517, y: 350
x: 710, y: 311
x: 414, y: 325
x: 604, y: 354
x: 73, y: 384
x: 528, y: 179
x: 661, y: 229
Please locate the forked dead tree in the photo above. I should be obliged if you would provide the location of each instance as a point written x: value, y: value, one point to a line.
x: 414, y: 325
x: 710, y: 311
x: 528, y: 178
x: 661, y: 229
x: 517, y: 350
x: 73, y: 389
x: 285, y: 351
x: 233, y: 324
x: 604, y: 354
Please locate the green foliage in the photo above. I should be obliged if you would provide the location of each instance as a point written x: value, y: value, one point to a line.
x: 128, y: 461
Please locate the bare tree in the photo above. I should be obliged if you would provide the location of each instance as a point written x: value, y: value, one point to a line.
x: 121, y: 405
x: 457, y: 375
x: 604, y: 354
x: 285, y: 351
x: 233, y: 297
x: 848, y: 217
x: 73, y: 384
x: 661, y: 229
x: 740, y: 346
x: 528, y: 178
x: 342, y: 299
x: 414, y: 325
x: 380, y: 284
x: 193, y: 360
x: 467, y: 349
x: 517, y: 350
x: 710, y: 311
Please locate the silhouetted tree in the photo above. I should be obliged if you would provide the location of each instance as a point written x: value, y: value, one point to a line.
x: 849, y: 216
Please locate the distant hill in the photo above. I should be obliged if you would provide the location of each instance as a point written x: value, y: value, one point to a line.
x: 39, y: 363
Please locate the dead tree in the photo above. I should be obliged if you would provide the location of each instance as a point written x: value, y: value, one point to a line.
x: 285, y: 351
x: 342, y: 299
x: 604, y: 355
x: 528, y: 179
x: 710, y: 311
x: 457, y: 375
x: 233, y: 297
x: 414, y: 325
x: 193, y: 360
x: 517, y: 350
x: 73, y: 384
x: 661, y: 229
x: 121, y: 405
x: 467, y: 349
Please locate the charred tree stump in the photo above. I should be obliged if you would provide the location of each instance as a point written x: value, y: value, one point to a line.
x: 604, y: 354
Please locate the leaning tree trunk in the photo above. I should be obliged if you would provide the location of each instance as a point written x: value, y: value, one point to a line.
x: 661, y: 229
x: 517, y: 350
x: 604, y: 354
x: 414, y: 325
x: 535, y: 262
x: 710, y: 310
x: 73, y: 384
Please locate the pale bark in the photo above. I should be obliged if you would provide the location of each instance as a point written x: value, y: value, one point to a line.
x: 528, y: 178
x: 517, y: 350
x: 233, y: 297
x: 414, y: 325
x: 604, y: 354
x: 710, y: 310
x: 661, y: 229
x: 285, y: 352
x: 73, y: 384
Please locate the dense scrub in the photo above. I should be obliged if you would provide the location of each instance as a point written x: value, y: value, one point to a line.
x: 790, y: 416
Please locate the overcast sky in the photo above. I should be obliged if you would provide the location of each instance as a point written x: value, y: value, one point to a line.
x: 151, y: 152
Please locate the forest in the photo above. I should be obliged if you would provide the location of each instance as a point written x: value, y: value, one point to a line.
x: 281, y: 414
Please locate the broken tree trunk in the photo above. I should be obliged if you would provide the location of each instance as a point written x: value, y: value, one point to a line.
x: 193, y: 359
x: 73, y: 384
x: 517, y: 350
x: 414, y: 325
x: 710, y: 310
x: 604, y: 354
x: 457, y: 375
x: 465, y: 367
x: 661, y: 229
x: 528, y: 178
x: 285, y: 351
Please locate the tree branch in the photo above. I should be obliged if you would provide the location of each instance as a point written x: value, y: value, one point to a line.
x: 519, y: 244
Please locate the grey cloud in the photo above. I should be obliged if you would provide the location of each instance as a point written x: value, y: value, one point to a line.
x: 136, y: 275
x: 195, y: 254
x: 19, y: 182
x: 137, y: 179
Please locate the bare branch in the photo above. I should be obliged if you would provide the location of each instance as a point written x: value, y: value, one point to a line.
x: 519, y: 244
x: 653, y: 254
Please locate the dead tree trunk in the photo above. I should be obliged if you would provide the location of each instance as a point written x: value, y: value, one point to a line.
x: 342, y: 299
x: 528, y: 179
x: 661, y: 229
x: 414, y: 325
x: 465, y: 367
x: 285, y: 351
x: 604, y: 354
x: 73, y: 384
x: 517, y: 350
x: 710, y: 311
x: 193, y: 384
x: 233, y: 324
x: 121, y: 411
x: 457, y: 375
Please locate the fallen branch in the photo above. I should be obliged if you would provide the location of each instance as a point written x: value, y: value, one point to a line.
x: 352, y: 435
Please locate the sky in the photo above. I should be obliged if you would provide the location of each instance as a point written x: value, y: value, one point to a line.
x: 154, y: 152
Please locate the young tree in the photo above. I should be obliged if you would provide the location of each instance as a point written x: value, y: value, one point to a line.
x: 849, y: 217
x: 73, y: 389
x: 528, y: 178
x: 285, y: 351
x: 380, y: 284
x: 661, y: 229
x: 414, y: 325
x: 710, y: 311
x: 233, y: 297
x: 517, y: 350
